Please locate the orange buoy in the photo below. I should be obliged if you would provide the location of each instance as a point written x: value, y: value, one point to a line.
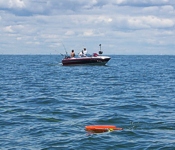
x: 101, y: 128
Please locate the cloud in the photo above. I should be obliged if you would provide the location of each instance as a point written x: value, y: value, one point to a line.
x: 55, y: 7
x: 120, y: 24
x: 68, y: 33
x: 88, y: 33
x: 150, y: 22
x: 141, y: 3
x: 12, y: 4
x: 8, y: 29
x: 15, y: 28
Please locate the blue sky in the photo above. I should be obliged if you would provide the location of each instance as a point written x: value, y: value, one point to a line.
x: 126, y: 27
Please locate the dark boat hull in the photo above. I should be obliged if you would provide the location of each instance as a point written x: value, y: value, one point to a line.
x: 102, y: 60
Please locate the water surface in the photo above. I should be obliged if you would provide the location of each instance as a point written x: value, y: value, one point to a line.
x: 44, y: 105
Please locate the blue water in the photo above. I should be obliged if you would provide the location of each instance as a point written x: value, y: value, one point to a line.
x: 46, y: 106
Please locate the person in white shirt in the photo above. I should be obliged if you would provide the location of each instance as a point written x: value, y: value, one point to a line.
x: 84, y: 52
x: 81, y: 53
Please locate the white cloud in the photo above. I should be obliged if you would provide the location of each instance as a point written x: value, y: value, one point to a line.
x: 158, y: 22
x: 16, y: 3
x: 69, y: 32
x: 141, y: 3
x: 150, y: 22
x: 121, y: 24
x: 8, y: 29
x: 120, y: 1
x: 14, y: 28
x: 88, y: 33
x: 104, y: 19
x: 12, y: 4
x: 19, y: 38
x: 167, y: 9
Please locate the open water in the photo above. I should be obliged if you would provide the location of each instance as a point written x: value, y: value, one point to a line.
x: 46, y: 106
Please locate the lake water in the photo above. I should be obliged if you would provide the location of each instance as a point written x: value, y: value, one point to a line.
x: 46, y: 106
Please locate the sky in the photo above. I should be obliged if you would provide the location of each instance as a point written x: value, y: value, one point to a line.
x: 122, y: 27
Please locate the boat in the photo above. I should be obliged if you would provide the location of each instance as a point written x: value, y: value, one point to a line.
x: 88, y: 60
x: 94, y: 59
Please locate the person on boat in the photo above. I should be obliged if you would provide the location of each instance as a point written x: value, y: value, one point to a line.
x: 84, y: 52
x: 72, y: 54
x: 81, y: 53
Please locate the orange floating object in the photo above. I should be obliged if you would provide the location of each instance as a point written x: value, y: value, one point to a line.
x: 101, y: 128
